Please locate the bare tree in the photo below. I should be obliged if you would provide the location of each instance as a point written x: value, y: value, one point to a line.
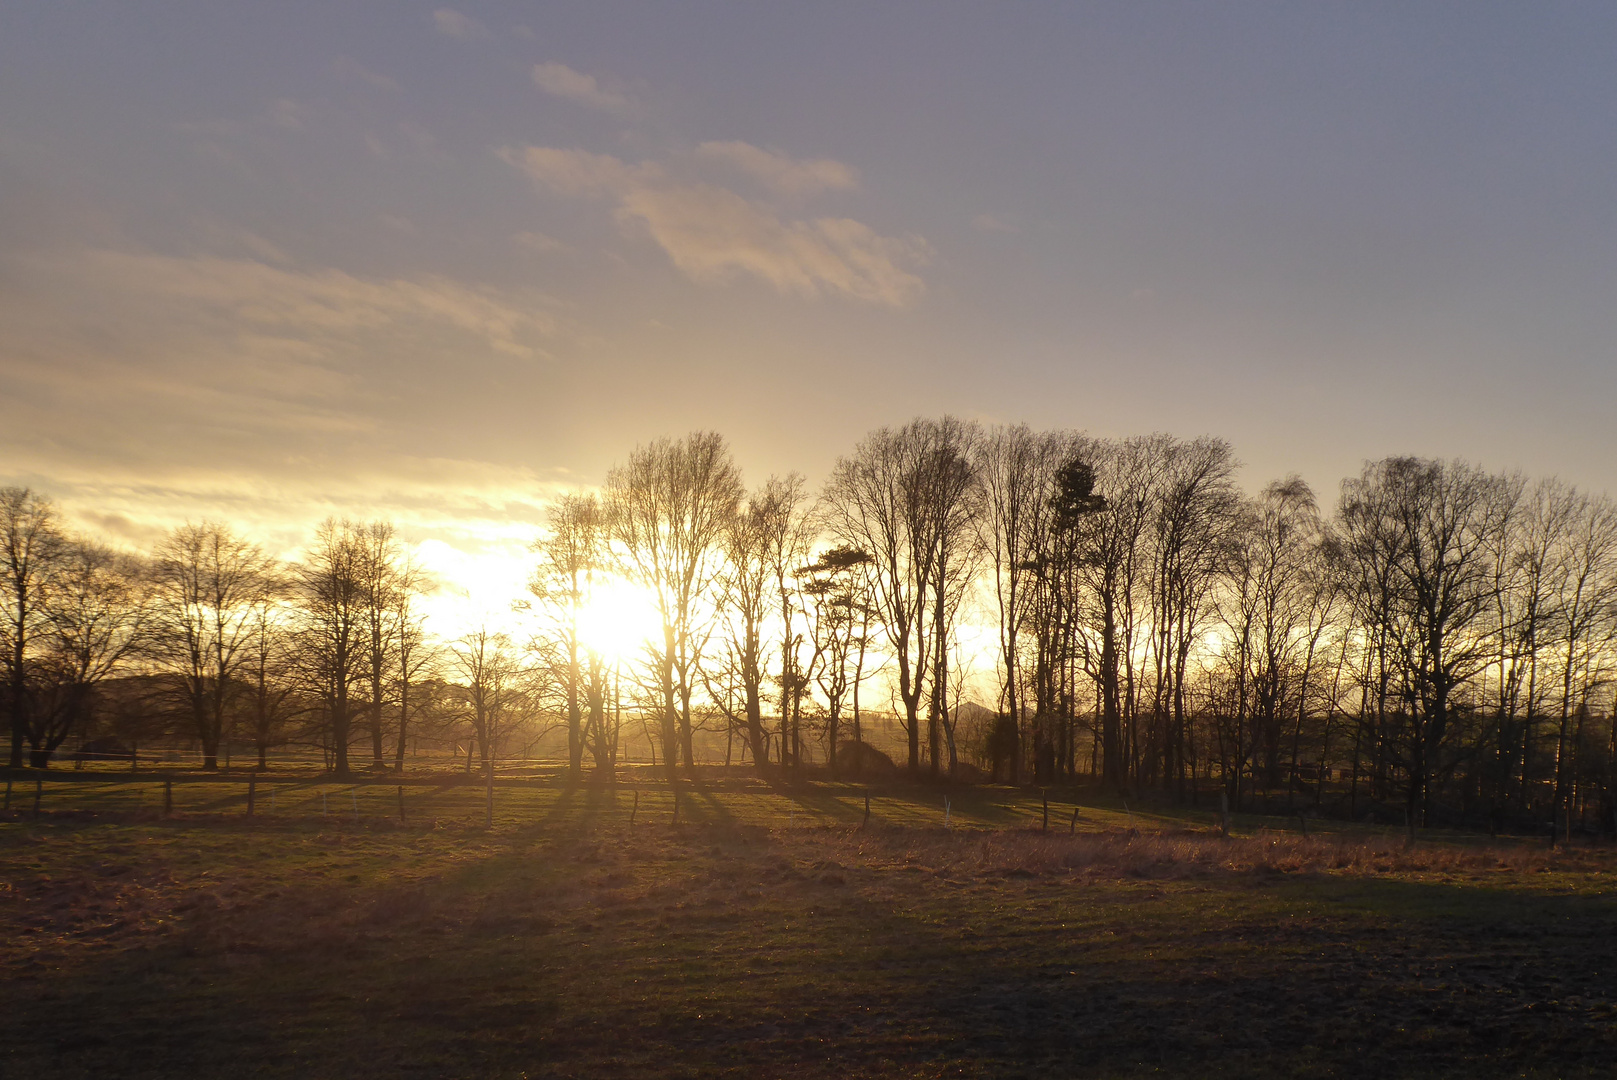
x: 331, y: 629
x: 1587, y: 602
x: 414, y: 655
x: 1432, y: 523
x: 779, y: 519
x: 271, y: 686
x: 1193, y: 510
x: 668, y: 509
x: 379, y: 565
x: 209, y: 583
x: 952, y: 498
x: 900, y: 497
x: 1112, y: 573
x: 736, y: 683
x: 97, y: 614
x: 486, y: 665
x: 837, y: 616
x: 31, y: 547
x: 1017, y: 468
x: 572, y: 560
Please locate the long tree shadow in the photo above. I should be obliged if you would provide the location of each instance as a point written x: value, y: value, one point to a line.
x: 712, y: 951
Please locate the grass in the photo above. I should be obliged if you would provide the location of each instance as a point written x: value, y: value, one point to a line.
x: 767, y: 935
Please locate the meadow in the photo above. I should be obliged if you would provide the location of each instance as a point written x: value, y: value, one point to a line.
x: 157, y: 930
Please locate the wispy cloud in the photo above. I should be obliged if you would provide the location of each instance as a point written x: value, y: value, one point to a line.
x: 561, y: 81
x: 232, y: 359
x: 458, y: 25
x: 994, y: 223
x: 286, y: 113
x: 346, y: 67
x: 538, y: 241
x: 711, y: 233
x: 780, y: 173
x: 140, y: 390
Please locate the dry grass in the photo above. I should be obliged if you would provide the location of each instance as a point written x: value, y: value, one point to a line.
x: 278, y: 949
x: 1190, y: 854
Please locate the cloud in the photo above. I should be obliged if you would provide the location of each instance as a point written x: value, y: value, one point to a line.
x: 148, y: 359
x: 711, y: 234
x: 142, y: 389
x: 780, y: 173
x: 456, y: 25
x: 561, y: 81
x: 538, y: 241
x: 579, y: 172
x: 286, y: 113
x: 994, y: 223
x: 347, y: 67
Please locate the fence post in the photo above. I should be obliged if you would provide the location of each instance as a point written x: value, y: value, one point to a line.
x: 1072, y: 830
x: 676, y: 805
x: 1044, y: 826
x: 866, y: 822
x: 946, y: 811
x: 252, y: 790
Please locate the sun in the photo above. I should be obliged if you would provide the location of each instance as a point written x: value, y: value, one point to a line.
x: 618, y: 620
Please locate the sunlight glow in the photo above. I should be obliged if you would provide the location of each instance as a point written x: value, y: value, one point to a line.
x: 619, y: 620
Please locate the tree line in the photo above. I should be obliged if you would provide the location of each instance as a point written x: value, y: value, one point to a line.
x: 1032, y: 606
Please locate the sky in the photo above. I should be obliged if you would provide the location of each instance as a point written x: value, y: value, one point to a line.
x: 270, y: 263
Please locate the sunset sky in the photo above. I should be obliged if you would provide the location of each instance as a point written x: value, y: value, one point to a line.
x: 272, y: 262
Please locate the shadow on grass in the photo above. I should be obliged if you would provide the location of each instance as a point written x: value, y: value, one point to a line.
x: 710, y: 949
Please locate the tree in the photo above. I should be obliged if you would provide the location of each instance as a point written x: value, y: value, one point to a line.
x: 209, y: 584
x: 1276, y: 605
x: 1193, y: 511
x: 745, y: 582
x: 1430, y: 523
x: 778, y: 520
x: 837, y: 613
x: 1056, y: 550
x: 668, y: 509
x: 31, y: 547
x: 1586, y: 599
x: 901, y: 498
x: 268, y: 672
x: 951, y: 497
x: 96, y: 618
x: 331, y: 628
x: 486, y: 665
x: 382, y: 579
x: 414, y: 656
x: 572, y: 557
x: 1110, y: 573
x: 1017, y: 468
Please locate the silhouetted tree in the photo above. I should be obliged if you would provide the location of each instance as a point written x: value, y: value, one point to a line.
x: 668, y: 509
x: 209, y: 584
x: 31, y: 548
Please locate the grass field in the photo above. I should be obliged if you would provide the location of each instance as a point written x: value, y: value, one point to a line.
x: 766, y: 934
